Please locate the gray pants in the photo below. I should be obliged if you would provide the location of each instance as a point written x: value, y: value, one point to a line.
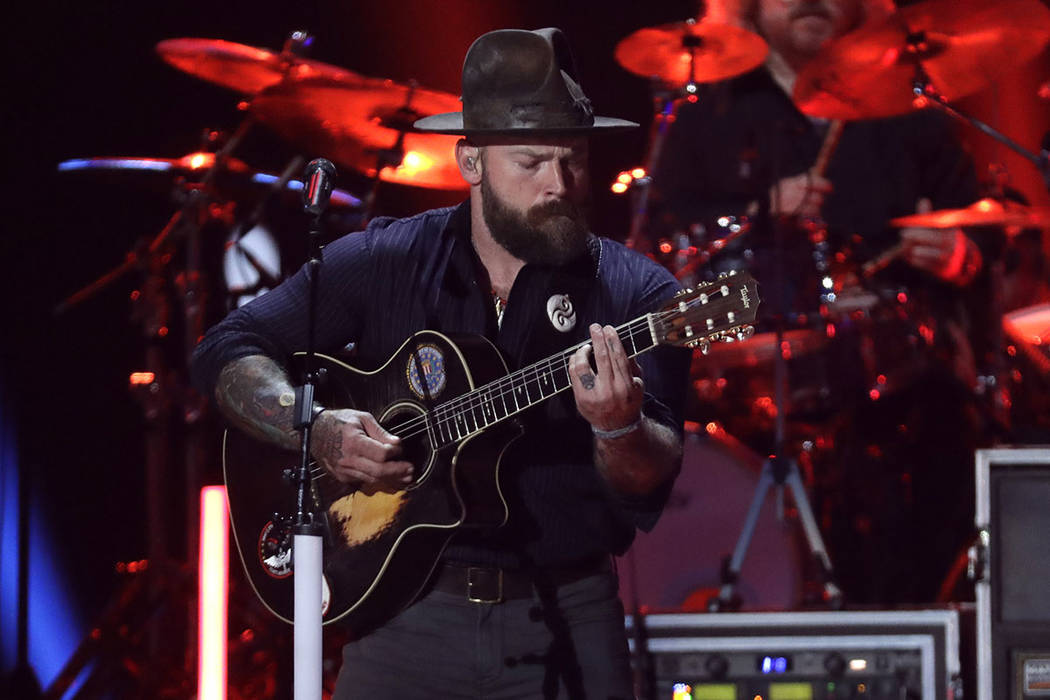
x: 570, y: 644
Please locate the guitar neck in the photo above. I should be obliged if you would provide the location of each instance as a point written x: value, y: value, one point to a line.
x: 466, y: 415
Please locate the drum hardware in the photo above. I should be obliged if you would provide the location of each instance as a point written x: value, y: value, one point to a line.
x: 365, y: 124
x: 779, y: 469
x: 682, y: 54
x: 199, y: 184
x: 248, y: 69
x: 676, y: 57
x: 923, y: 55
x: 958, y: 46
x: 1013, y: 217
x: 689, y: 258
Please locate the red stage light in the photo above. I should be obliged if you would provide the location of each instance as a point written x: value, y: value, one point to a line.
x: 213, y: 589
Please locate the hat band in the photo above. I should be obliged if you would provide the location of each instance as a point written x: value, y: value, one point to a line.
x: 496, y: 114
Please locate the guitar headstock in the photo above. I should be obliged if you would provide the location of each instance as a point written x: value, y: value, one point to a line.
x: 719, y: 311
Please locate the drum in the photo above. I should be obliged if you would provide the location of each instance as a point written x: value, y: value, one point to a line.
x: 681, y: 559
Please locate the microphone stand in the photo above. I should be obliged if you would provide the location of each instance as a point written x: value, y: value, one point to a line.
x: 307, y: 544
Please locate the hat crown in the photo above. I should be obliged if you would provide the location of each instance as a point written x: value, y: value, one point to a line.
x: 517, y: 81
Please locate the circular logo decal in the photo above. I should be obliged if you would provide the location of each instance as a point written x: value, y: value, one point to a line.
x: 433, y: 364
x: 275, y: 551
x: 561, y: 312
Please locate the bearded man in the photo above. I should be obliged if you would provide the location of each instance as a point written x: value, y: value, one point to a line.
x: 528, y: 609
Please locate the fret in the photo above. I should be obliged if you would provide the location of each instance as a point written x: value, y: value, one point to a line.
x: 429, y: 426
x: 634, y: 347
x: 488, y: 408
x: 562, y: 374
x: 547, y: 387
x: 445, y: 430
x: 501, y: 399
x: 533, y: 381
x: 521, y: 396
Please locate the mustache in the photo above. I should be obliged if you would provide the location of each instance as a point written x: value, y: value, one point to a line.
x: 810, y: 9
x: 555, y: 207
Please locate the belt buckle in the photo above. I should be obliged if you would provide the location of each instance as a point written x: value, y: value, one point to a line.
x: 476, y: 578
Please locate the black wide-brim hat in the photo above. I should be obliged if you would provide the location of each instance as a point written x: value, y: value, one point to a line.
x: 521, y: 82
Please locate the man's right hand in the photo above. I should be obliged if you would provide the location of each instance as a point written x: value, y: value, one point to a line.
x: 354, y: 448
x: 798, y: 195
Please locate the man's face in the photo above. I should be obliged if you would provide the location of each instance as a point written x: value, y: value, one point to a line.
x: 533, y: 195
x: 798, y: 28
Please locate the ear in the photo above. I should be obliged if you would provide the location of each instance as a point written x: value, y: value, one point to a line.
x: 468, y: 158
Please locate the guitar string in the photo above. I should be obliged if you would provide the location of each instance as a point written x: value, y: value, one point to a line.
x: 506, y: 385
x: 446, y: 415
x: 477, y: 398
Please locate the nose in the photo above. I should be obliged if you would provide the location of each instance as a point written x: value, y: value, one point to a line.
x: 558, y: 180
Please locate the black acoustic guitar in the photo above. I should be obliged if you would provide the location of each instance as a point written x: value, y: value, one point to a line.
x: 381, y: 546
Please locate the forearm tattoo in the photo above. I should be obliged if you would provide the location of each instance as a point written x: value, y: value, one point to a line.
x: 255, y: 394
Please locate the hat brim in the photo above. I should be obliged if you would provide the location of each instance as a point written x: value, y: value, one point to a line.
x: 452, y: 123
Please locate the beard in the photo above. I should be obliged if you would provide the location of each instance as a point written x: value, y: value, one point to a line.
x: 546, y: 234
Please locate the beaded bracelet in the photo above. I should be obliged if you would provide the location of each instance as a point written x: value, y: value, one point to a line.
x: 619, y: 432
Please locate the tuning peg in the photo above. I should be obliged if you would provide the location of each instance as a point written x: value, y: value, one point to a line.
x: 703, y: 345
x: 745, y: 332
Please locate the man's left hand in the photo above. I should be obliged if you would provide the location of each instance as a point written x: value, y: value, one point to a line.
x: 609, y: 397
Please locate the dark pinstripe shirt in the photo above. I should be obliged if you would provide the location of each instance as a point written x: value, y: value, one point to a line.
x: 400, y: 276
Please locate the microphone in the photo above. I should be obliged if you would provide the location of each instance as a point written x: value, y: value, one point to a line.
x: 317, y: 185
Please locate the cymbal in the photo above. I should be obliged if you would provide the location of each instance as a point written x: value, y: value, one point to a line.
x: 359, y: 124
x: 961, y: 45
x: 246, y: 69
x: 694, y: 51
x: 760, y: 349
x: 195, y: 165
x: 983, y: 212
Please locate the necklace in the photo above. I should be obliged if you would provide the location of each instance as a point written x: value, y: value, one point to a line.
x: 501, y: 306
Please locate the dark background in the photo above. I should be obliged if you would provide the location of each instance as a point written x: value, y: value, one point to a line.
x: 82, y: 79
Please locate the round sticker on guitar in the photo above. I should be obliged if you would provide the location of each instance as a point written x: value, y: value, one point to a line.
x: 433, y: 364
x: 275, y: 550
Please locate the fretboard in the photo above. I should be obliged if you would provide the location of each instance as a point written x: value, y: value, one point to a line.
x: 470, y: 413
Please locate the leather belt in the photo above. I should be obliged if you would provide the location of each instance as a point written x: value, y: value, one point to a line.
x: 486, y: 584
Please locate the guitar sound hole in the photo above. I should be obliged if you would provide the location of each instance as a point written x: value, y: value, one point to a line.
x: 414, y: 440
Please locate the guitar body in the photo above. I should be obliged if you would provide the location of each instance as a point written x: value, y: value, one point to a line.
x: 380, y: 546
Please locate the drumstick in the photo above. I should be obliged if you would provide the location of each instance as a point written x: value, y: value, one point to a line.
x: 881, y: 260
x: 831, y: 142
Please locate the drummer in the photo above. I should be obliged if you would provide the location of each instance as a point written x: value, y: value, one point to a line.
x: 743, y: 148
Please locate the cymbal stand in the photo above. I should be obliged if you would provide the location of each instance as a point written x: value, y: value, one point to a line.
x: 926, y: 94
x: 665, y: 105
x: 778, y: 470
x: 165, y: 389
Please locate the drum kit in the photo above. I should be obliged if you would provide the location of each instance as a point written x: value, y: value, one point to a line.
x: 772, y: 394
x: 922, y: 55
